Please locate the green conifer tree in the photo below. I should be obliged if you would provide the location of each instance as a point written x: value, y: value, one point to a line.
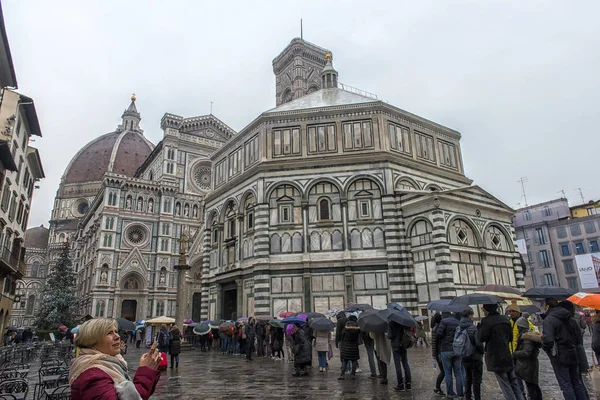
x: 59, y: 301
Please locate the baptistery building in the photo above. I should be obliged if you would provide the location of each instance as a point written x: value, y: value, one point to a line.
x: 332, y: 196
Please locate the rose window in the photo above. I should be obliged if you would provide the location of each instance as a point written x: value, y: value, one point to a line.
x: 202, y: 177
x: 136, y: 235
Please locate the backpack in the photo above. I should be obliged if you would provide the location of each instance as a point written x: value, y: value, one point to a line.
x: 163, y: 339
x: 462, y: 345
x: 408, y: 339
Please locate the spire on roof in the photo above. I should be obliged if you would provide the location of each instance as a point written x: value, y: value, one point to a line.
x: 329, y: 75
x: 131, y: 117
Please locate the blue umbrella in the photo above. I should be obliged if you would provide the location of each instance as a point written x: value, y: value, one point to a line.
x: 138, y: 327
x: 293, y: 320
x: 75, y: 330
x: 398, y: 314
x: 210, y: 322
x: 437, y: 305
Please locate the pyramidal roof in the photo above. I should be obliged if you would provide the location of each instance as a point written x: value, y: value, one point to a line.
x: 323, y: 98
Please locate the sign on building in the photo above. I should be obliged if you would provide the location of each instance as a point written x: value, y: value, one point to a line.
x: 588, y: 267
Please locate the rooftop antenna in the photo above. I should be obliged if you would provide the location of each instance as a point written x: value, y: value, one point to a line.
x: 564, y: 195
x: 301, y: 31
x: 581, y: 194
x: 211, y: 104
x: 523, y: 180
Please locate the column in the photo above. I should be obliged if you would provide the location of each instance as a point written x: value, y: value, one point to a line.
x: 205, y: 301
x: 305, y: 226
x: 345, y: 241
x: 443, y: 258
x: 261, y: 236
x: 400, y: 268
x: 240, y: 234
x: 262, y: 293
x: 240, y: 297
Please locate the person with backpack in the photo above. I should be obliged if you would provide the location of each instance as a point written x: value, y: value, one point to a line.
x: 561, y: 335
x: 471, y: 351
x: 163, y: 339
x: 495, y: 331
x: 402, y: 339
x: 526, y: 358
x: 452, y: 363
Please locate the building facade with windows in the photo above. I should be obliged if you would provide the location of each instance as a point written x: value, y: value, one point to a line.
x: 554, y: 234
x: 332, y: 196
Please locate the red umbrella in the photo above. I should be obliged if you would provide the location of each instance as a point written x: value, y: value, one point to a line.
x: 62, y: 328
x: 286, y: 314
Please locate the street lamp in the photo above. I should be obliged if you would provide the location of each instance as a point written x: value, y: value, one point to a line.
x: 181, y: 268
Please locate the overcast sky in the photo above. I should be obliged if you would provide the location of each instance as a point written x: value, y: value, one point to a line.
x: 518, y: 79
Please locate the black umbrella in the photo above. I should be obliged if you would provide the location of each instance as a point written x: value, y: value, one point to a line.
x: 402, y: 317
x: 125, y: 324
x: 476, y: 298
x: 548, y: 292
x: 372, y: 321
x: 437, y: 305
x: 358, y: 307
x: 321, y: 324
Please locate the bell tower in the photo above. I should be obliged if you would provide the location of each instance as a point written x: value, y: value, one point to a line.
x: 298, y: 70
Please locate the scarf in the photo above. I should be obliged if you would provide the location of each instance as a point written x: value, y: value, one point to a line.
x: 114, y: 366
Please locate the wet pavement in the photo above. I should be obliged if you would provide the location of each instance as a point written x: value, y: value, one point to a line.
x: 212, y: 375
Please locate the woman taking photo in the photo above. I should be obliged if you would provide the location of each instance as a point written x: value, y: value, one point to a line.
x: 100, y: 372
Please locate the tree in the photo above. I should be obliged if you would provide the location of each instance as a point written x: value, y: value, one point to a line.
x: 59, y: 301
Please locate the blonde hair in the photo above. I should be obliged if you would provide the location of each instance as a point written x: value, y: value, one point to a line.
x: 92, y: 331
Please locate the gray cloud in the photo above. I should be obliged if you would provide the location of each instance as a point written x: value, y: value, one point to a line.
x: 517, y: 79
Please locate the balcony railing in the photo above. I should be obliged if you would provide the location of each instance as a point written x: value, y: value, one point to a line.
x: 8, y: 258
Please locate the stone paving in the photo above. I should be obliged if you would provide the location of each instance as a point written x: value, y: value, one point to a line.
x: 213, y: 375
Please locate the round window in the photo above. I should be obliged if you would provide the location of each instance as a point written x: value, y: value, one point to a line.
x: 136, y: 235
x: 202, y: 177
x: 83, y: 207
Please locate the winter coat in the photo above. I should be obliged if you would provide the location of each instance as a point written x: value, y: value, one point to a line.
x: 445, y: 334
x: 478, y: 350
x: 580, y: 321
x: 350, y: 341
x: 301, y: 348
x: 322, y: 339
x: 95, y: 384
x: 513, y: 323
x: 260, y: 330
x: 395, y: 334
x: 175, y: 343
x: 421, y: 332
x: 527, y: 366
x: 250, y: 331
x: 435, y: 348
x: 341, y: 323
x: 138, y: 334
x: 559, y: 327
x: 495, y: 331
x: 383, y: 348
x: 596, y: 337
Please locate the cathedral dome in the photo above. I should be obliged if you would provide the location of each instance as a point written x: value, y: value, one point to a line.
x: 118, y: 152
x: 121, y: 152
x: 37, y: 238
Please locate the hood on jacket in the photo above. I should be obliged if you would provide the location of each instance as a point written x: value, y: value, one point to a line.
x: 351, y: 326
x: 450, y: 321
x: 465, y: 323
x: 533, y: 336
x: 560, y: 313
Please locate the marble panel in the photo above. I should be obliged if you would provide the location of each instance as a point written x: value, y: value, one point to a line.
x: 370, y: 282
x: 434, y: 291
x: 338, y: 282
x: 378, y: 240
x: 382, y: 282
x: 355, y: 240
x: 367, y: 239
x: 315, y: 241
x: 297, y: 215
x: 297, y: 284
x: 423, y: 293
x: 431, y: 271
x: 336, y: 302
x: 295, y: 304
x: 321, y: 304
x: 297, y: 243
x: 471, y: 272
x: 275, y: 285
x: 336, y: 212
x: 464, y: 275
x: 359, y: 282
x: 352, y: 210
x: 312, y: 214
x: 286, y: 243
x: 328, y: 283
x: 336, y: 239
x: 325, y: 241
x: 377, y: 213
x: 275, y: 244
x: 286, y: 285
x: 455, y: 273
x: 274, y: 214
x: 317, y: 283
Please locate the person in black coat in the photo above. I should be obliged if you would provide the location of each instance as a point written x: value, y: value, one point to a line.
x: 450, y: 361
x: 526, y: 358
x: 261, y: 334
x: 396, y: 333
x: 435, y: 353
x: 350, y: 340
x: 175, y: 346
x: 495, y: 331
x: 250, y: 332
x: 473, y: 364
x: 302, y: 351
x: 596, y: 336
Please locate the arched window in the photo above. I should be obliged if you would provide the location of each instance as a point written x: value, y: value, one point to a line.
x: 404, y: 184
x: 420, y: 234
x: 324, y: 210
x: 178, y: 209
x: 460, y: 233
x: 496, y: 240
x: 151, y: 176
x: 150, y: 205
x: 100, y: 309
x: 140, y: 203
x: 131, y: 284
x: 35, y: 269
x: 30, y: 304
x: 160, y: 308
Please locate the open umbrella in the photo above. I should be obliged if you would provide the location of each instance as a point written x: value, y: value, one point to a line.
x: 372, y: 321
x: 12, y: 329
x: 286, y: 314
x: 321, y: 324
x: 358, y: 307
x: 225, y: 326
x: 61, y: 328
x: 591, y: 300
x: 548, y: 292
x: 210, y: 322
x: 476, y: 298
x: 421, y: 318
x: 302, y: 316
x: 75, y: 330
x: 242, y: 319
x: 332, y: 312
x: 437, y: 305
x: 188, y: 321
x: 293, y: 320
x: 138, y: 327
x: 141, y: 322
x: 401, y: 317
x: 276, y: 323
x: 162, y: 320
x: 125, y: 324
x: 309, y: 315
x: 201, y: 329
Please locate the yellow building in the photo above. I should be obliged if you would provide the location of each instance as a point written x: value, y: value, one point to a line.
x: 584, y: 210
